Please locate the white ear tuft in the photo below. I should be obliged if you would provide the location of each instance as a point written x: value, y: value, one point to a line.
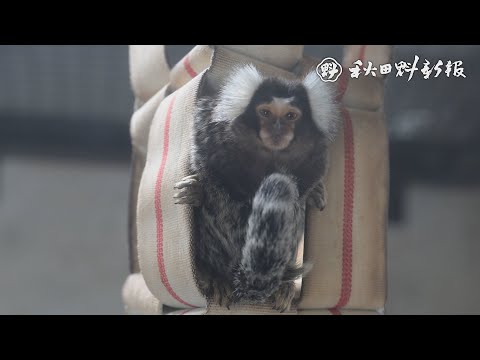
x: 237, y: 91
x: 325, y: 109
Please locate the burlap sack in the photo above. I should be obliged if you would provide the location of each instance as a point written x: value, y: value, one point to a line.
x: 366, y: 92
x: 197, y: 60
x: 345, y: 242
x: 149, y: 70
x: 281, y: 56
x: 138, y: 300
x: 163, y: 228
x: 139, y: 131
x: 265, y: 310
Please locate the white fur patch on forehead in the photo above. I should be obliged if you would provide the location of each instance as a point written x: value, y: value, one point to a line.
x: 325, y: 110
x: 281, y: 106
x: 283, y: 100
x: 237, y: 91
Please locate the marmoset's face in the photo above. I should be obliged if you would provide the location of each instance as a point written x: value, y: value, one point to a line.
x: 277, y: 120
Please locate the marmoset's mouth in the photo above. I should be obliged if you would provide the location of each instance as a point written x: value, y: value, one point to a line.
x: 277, y: 145
x: 275, y: 142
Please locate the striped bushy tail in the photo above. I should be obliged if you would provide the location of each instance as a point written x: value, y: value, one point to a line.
x: 274, y: 228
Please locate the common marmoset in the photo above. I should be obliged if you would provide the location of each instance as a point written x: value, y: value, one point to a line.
x: 259, y: 154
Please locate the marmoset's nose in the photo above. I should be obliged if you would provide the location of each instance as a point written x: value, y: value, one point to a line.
x: 277, y: 126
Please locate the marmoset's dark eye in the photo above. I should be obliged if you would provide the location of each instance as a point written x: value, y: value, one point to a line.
x: 291, y: 116
x: 265, y: 113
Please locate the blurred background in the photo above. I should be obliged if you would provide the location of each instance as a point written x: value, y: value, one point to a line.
x: 65, y: 172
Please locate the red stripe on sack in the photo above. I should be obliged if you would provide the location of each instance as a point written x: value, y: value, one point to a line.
x: 159, y: 211
x: 361, y: 55
x: 335, y: 311
x: 188, y: 67
x: 349, y: 186
x: 348, y: 191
